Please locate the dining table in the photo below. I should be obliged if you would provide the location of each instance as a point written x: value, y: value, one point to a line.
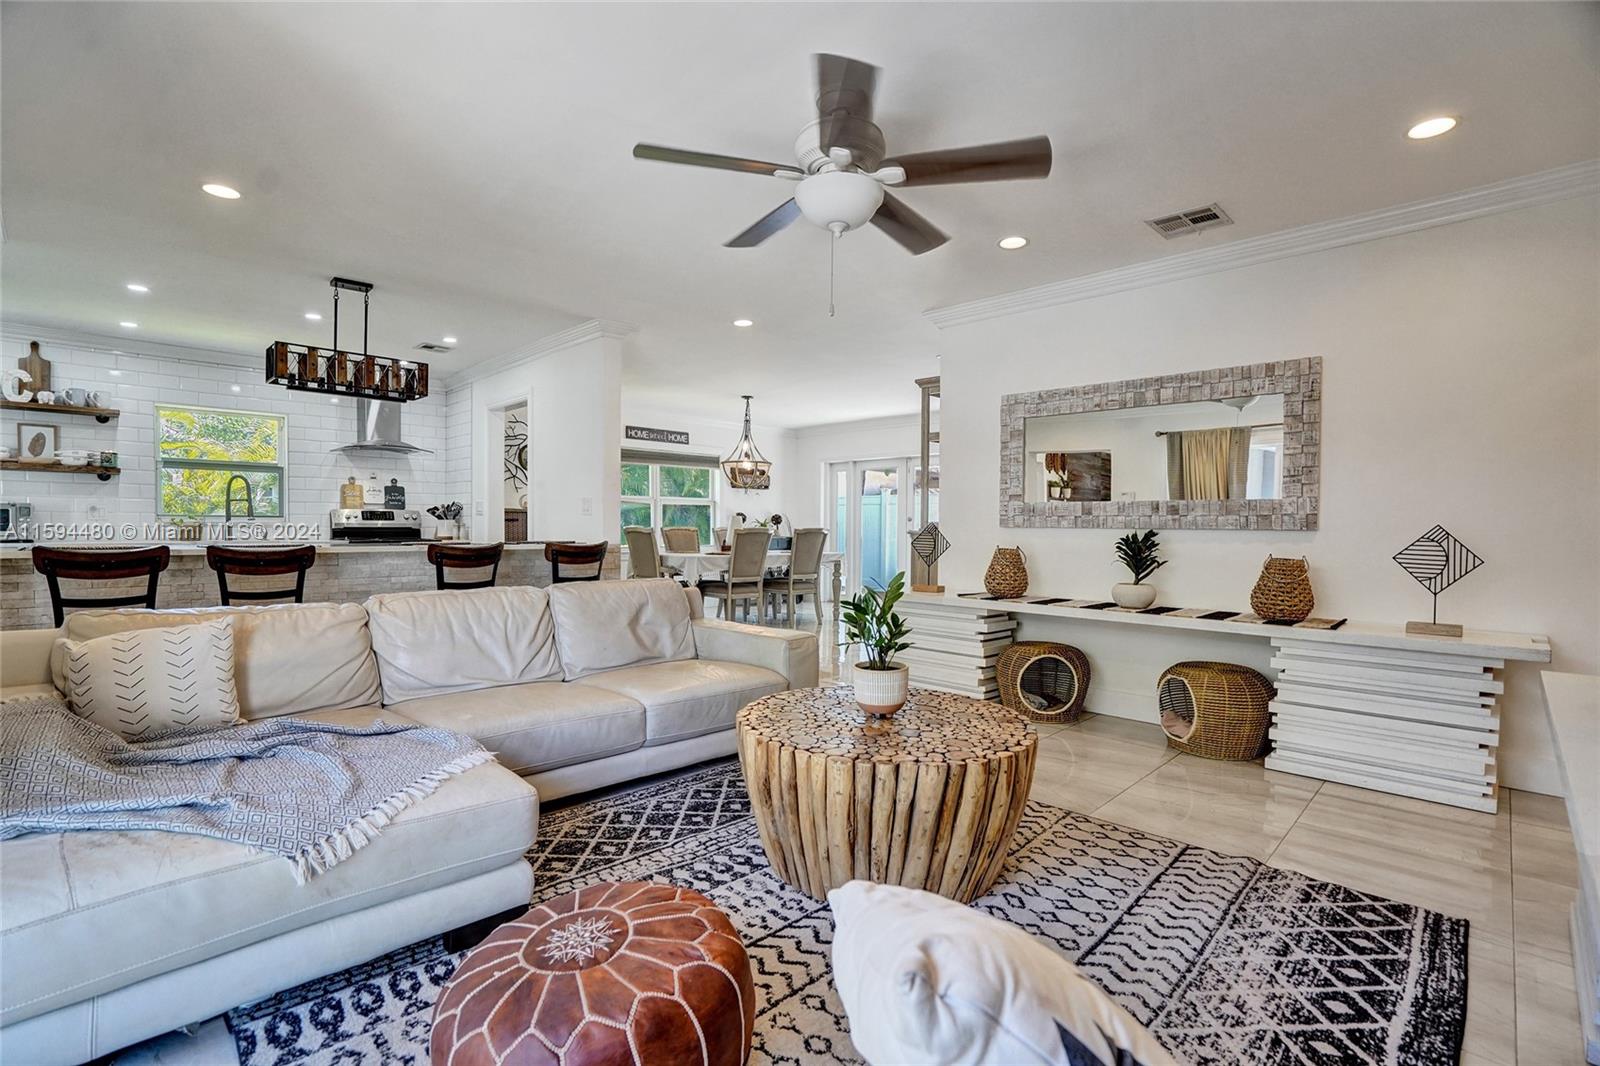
x: 692, y: 566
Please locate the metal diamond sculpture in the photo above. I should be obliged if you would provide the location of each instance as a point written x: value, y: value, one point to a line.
x: 929, y: 543
x: 1437, y: 560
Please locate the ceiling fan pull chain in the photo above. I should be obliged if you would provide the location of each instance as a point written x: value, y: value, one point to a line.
x: 833, y: 239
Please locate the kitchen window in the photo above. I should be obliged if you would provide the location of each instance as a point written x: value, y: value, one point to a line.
x: 678, y: 492
x: 199, y: 449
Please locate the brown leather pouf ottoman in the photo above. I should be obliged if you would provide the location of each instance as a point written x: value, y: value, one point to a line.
x: 630, y: 973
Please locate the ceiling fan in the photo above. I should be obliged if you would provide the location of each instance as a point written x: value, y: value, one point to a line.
x: 842, y: 169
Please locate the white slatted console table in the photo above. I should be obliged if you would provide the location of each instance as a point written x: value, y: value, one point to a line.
x: 1573, y: 701
x: 1365, y: 704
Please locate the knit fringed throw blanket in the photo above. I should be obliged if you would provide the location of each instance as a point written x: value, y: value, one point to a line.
x: 312, y: 792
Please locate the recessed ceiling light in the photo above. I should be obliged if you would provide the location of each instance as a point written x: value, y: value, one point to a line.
x: 449, y: 340
x: 235, y: 388
x: 134, y: 286
x: 313, y: 316
x: 1011, y: 244
x: 130, y: 325
x: 221, y: 192
x: 1431, y: 127
x: 743, y: 323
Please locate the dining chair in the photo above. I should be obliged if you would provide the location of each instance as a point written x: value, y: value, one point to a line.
x: 571, y: 553
x: 682, y: 538
x: 719, y: 537
x: 803, y: 576
x: 261, y: 562
x: 465, y: 557
x: 644, y: 559
x: 745, y: 578
x: 100, y: 564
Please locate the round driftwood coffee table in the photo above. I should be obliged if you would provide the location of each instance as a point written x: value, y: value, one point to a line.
x: 928, y: 798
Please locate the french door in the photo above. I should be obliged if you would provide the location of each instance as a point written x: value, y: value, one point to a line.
x: 869, y: 504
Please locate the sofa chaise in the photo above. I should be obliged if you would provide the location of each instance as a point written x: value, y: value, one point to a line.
x: 108, y: 938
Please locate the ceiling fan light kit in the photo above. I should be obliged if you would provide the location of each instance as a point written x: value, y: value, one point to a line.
x: 843, y: 170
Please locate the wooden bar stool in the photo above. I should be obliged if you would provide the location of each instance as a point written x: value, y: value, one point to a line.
x: 261, y: 562
x: 100, y: 564
x: 465, y: 557
x: 567, y: 553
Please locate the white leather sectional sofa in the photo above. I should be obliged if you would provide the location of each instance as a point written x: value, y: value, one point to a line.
x: 109, y: 938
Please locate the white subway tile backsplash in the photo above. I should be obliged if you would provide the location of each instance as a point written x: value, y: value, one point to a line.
x: 314, y: 428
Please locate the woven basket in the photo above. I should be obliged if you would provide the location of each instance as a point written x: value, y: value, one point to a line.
x: 1283, y: 591
x: 1008, y: 573
x: 1057, y: 674
x: 1215, y: 710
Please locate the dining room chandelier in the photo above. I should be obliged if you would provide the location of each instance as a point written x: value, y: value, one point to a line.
x: 745, y: 466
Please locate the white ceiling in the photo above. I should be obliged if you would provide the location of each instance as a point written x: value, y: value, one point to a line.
x: 473, y: 161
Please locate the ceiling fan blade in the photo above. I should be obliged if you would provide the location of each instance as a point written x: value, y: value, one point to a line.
x: 770, y: 223
x: 662, y: 154
x: 910, y: 230
x: 1005, y: 161
x: 844, y: 91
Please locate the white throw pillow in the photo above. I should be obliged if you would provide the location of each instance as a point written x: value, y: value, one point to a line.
x: 927, y: 980
x: 144, y: 683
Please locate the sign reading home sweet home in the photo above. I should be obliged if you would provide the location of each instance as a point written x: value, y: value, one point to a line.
x: 659, y: 436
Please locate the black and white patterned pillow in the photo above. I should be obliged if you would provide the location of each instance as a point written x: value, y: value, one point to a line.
x: 145, y: 683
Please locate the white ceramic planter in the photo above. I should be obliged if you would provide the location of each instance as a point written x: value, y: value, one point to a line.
x: 881, y: 692
x: 1138, y: 597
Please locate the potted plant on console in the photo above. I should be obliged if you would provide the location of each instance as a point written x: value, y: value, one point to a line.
x: 870, y: 621
x: 1141, y: 554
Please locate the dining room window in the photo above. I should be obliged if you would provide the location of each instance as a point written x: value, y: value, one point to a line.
x: 199, y: 449
x: 657, y: 493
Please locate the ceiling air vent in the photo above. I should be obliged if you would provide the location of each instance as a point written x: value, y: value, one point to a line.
x: 428, y: 346
x: 1170, y: 226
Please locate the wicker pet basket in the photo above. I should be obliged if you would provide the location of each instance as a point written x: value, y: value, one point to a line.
x: 1056, y: 675
x: 1215, y: 710
x: 1283, y: 591
x: 1008, y: 573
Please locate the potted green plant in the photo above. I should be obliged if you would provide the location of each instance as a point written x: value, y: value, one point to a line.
x: 870, y: 620
x: 1141, y: 554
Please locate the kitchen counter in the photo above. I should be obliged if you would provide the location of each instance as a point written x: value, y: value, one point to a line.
x: 344, y: 573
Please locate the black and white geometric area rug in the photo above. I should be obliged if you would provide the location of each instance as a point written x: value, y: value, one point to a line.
x: 1226, y: 960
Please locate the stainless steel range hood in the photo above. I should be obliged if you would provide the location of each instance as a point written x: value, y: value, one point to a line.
x: 378, y: 430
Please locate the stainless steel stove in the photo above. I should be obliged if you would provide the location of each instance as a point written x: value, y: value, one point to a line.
x: 374, y: 525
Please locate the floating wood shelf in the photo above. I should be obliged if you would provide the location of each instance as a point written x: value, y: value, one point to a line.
x: 99, y: 414
x: 104, y: 473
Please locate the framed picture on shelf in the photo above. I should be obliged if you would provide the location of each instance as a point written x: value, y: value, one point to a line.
x: 37, y: 442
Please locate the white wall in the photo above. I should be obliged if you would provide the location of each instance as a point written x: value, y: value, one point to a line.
x: 1461, y: 386
x: 817, y: 446
x: 573, y: 396
x: 133, y: 383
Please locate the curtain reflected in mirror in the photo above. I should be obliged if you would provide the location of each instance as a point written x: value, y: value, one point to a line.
x: 1206, y: 450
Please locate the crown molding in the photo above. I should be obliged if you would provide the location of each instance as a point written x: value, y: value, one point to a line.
x: 21, y: 330
x: 582, y: 333
x: 880, y: 422
x: 1548, y: 186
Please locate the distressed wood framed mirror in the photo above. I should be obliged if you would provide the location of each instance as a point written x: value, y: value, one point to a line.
x: 1236, y: 447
